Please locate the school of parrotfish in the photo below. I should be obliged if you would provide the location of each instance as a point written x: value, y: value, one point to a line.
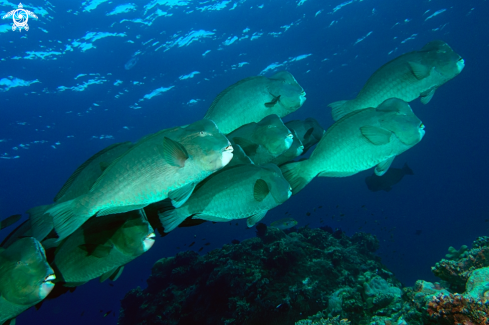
x: 235, y: 163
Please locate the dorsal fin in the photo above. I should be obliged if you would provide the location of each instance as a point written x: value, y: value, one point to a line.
x: 77, y: 172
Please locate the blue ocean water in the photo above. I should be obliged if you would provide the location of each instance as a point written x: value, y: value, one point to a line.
x: 90, y: 74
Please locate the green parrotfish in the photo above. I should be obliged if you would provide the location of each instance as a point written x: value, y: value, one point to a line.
x: 409, y: 76
x: 242, y: 191
x: 359, y: 141
x: 167, y: 164
x: 101, y: 247
x: 25, y: 277
x: 251, y: 99
x: 263, y: 141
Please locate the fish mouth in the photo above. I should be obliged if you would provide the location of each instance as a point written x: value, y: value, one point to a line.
x: 149, y: 241
x: 47, y: 286
x: 303, y: 97
x: 227, y: 155
x: 460, y: 64
x: 290, y: 135
x: 229, y: 148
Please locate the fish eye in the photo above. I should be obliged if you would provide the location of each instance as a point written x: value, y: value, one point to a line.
x: 201, y: 133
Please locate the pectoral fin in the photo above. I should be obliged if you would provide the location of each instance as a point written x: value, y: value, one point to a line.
x: 308, y: 133
x: 419, y: 70
x: 382, y: 167
x: 260, y: 190
x: 99, y: 251
x: 253, y: 220
x: 248, y: 147
x: 103, y: 165
x: 273, y: 102
x: 427, y: 96
x: 173, y: 152
x: 376, y: 135
x: 113, y: 274
x: 180, y: 196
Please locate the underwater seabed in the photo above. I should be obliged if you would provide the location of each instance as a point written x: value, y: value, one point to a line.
x: 308, y: 276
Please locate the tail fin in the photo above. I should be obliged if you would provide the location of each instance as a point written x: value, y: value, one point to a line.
x: 41, y: 222
x: 407, y: 170
x: 339, y: 109
x: 170, y: 217
x: 68, y: 216
x: 294, y: 174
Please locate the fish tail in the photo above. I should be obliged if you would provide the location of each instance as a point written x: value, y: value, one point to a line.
x: 41, y: 222
x: 407, y: 170
x: 170, y: 217
x: 69, y: 216
x: 339, y: 109
x: 295, y: 175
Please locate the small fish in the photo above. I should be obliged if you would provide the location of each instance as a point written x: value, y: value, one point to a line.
x: 390, y: 178
x: 285, y: 223
x: 200, y: 249
x: 191, y: 244
x: 107, y: 313
x: 308, y: 214
x: 9, y: 221
x: 207, y: 244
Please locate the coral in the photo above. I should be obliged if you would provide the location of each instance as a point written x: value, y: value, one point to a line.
x: 324, y: 321
x: 457, y: 271
x: 276, y: 278
x: 456, y: 254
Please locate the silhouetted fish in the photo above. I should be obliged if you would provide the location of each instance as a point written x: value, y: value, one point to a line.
x: 390, y: 178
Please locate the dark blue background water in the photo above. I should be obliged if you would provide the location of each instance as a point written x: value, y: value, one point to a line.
x: 447, y: 198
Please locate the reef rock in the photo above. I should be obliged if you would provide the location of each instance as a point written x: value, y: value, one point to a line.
x: 276, y: 278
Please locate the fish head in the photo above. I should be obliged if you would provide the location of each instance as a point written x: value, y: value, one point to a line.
x: 26, y: 277
x: 398, y: 117
x: 318, y: 130
x: 445, y: 60
x: 279, y: 187
x: 297, y: 147
x: 272, y: 134
x: 210, y: 149
x: 292, y: 95
x: 135, y: 236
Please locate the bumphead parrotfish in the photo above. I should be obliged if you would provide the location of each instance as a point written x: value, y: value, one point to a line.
x: 242, y: 191
x: 102, y: 246
x: 251, y: 99
x: 263, y: 141
x: 25, y: 277
x: 309, y: 131
x: 359, y: 141
x: 409, y: 76
x: 166, y: 164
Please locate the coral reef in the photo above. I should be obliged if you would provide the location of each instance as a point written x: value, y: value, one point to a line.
x: 276, y: 278
x: 308, y: 277
x: 457, y: 271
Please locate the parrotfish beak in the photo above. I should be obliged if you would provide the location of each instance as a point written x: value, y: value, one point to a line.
x: 460, y: 64
x: 227, y: 154
x: 303, y: 97
x: 47, y: 286
x: 149, y: 241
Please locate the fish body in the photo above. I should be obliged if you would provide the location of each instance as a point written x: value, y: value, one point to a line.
x: 242, y: 191
x: 294, y: 151
x: 412, y: 75
x: 251, y: 99
x: 263, y: 141
x: 166, y: 164
x: 359, y: 141
x: 309, y: 131
x: 102, y: 246
x: 390, y: 178
x: 285, y: 223
x: 25, y: 277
